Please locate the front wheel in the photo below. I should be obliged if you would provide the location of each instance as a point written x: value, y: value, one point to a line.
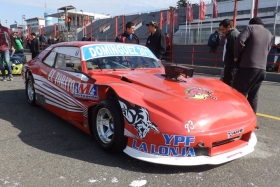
x: 30, y: 91
x: 108, y: 126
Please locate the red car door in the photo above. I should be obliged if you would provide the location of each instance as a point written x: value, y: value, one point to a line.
x: 73, y: 89
x: 45, y: 62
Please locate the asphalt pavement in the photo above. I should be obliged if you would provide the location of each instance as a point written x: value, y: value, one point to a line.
x: 39, y: 149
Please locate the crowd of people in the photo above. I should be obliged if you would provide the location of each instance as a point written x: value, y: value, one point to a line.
x: 156, y: 41
x: 11, y: 43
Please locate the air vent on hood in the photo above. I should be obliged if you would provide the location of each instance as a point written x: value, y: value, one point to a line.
x: 174, y: 72
x: 125, y: 79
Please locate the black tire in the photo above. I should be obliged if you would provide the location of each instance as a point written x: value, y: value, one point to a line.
x: 118, y: 140
x: 30, y: 98
x: 270, y: 68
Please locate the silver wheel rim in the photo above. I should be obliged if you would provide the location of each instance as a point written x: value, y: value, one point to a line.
x: 30, y: 90
x: 105, y: 125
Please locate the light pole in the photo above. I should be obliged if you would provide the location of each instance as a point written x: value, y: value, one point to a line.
x: 82, y: 22
x: 275, y: 18
x: 23, y: 18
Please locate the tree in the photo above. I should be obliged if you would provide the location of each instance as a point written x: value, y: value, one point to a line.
x: 181, y: 3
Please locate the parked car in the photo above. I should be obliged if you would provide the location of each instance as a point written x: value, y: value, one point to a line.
x: 123, y: 96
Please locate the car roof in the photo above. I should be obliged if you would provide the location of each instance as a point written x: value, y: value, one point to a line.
x: 83, y: 43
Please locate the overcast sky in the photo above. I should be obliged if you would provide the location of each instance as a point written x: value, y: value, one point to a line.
x: 12, y: 10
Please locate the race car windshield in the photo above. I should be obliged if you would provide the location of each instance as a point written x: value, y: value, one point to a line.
x: 122, y: 62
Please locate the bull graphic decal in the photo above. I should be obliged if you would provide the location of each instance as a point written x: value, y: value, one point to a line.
x: 139, y: 117
x: 199, y: 93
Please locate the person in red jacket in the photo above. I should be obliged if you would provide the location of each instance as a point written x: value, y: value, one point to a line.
x: 6, y: 44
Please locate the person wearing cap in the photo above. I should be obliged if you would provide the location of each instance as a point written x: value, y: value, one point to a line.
x: 156, y: 41
x: 6, y: 44
x: 251, y: 49
x: 18, y: 43
x: 128, y: 36
x: 34, y: 46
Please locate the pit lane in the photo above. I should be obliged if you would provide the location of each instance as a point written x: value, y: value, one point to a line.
x: 39, y: 149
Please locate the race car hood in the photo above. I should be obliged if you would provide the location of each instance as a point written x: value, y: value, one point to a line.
x: 209, y: 103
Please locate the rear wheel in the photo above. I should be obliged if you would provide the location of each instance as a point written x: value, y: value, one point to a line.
x: 30, y: 90
x: 108, y: 126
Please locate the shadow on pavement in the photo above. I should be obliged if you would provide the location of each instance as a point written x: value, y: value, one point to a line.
x: 45, y: 131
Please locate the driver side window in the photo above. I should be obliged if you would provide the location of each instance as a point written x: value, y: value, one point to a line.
x: 62, y: 60
x: 50, y: 59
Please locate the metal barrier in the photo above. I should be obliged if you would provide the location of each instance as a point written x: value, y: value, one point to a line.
x: 200, y: 55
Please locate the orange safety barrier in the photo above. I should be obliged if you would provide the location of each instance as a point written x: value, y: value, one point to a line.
x: 29, y: 32
x: 41, y: 30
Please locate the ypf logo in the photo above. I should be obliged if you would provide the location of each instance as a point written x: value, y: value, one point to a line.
x: 86, y: 91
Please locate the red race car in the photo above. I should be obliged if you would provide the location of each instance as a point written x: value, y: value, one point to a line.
x: 123, y: 96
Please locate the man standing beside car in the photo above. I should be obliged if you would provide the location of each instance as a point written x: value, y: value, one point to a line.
x: 34, y: 46
x: 128, y: 36
x: 156, y: 41
x: 252, y: 47
x: 6, y: 44
x: 231, y: 67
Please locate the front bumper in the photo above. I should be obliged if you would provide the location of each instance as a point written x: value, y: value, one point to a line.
x: 193, y: 161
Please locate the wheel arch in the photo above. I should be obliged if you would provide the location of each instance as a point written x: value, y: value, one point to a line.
x: 110, y: 94
x: 28, y: 73
x: 116, y: 92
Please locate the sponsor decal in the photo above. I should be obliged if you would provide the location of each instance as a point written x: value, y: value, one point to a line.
x: 101, y: 50
x: 86, y: 91
x: 199, y: 93
x: 235, y: 132
x: 170, y: 149
x: 177, y: 140
x: 139, y: 117
x: 189, y: 126
x: 80, y: 90
x: 235, y: 154
x: 77, y: 52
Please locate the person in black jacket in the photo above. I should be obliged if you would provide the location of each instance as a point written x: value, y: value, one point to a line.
x: 156, y: 41
x: 34, y: 46
x: 214, y: 41
x: 84, y: 38
x: 128, y: 36
x: 231, y: 67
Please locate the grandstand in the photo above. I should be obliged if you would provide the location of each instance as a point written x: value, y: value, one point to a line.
x: 104, y: 28
x: 140, y: 20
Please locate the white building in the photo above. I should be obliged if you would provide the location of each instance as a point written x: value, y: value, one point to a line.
x: 35, y: 22
x: 17, y: 26
x: 77, y: 18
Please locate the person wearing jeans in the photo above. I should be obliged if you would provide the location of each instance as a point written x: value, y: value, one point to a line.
x: 6, y: 44
x: 5, y: 61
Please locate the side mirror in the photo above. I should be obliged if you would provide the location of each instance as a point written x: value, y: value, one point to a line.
x: 70, y: 65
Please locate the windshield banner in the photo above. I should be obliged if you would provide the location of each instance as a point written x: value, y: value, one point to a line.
x: 104, y: 50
